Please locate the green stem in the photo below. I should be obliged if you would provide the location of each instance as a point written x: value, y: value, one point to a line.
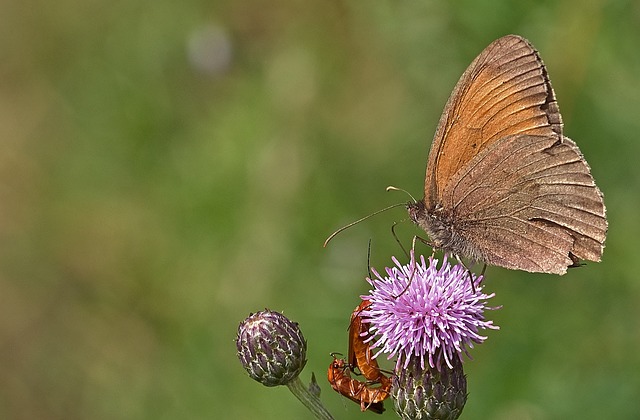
x: 312, y: 402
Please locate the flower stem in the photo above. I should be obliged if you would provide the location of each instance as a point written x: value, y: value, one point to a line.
x: 310, y: 401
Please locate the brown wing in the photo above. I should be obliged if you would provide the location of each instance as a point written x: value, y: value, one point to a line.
x: 504, y: 91
x: 529, y: 203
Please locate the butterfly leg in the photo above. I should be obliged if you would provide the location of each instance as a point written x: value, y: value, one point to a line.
x: 393, y: 232
x: 473, y: 287
x: 413, y: 272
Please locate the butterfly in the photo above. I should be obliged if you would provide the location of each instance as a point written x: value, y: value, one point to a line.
x: 504, y: 186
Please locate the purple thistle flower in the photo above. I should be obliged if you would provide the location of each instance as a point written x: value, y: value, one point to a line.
x: 430, y: 313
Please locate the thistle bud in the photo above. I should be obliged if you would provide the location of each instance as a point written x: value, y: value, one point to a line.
x: 271, y: 348
x: 429, y: 393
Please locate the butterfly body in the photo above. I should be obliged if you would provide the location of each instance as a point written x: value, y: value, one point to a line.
x: 442, y: 231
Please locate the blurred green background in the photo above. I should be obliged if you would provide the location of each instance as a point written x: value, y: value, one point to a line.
x: 169, y: 167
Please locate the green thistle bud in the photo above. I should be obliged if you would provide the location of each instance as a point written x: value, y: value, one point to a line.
x: 271, y: 348
x: 428, y: 393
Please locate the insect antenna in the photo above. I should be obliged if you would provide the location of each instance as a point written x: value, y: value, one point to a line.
x: 359, y: 220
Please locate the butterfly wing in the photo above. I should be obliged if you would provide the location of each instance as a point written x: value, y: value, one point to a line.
x: 529, y: 203
x: 504, y: 91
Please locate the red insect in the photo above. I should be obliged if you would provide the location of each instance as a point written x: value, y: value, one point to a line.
x: 370, y: 394
x: 360, y: 353
x: 369, y: 398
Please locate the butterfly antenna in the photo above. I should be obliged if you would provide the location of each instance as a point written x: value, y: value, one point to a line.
x: 392, y: 188
x: 358, y: 221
